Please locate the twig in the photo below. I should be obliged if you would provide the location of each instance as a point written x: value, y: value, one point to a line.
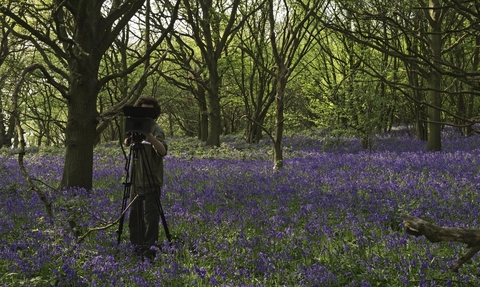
x: 104, y: 227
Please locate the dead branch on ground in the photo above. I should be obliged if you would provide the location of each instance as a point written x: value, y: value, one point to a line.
x: 419, y: 227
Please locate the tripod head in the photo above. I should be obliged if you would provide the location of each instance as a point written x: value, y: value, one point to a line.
x: 135, y: 138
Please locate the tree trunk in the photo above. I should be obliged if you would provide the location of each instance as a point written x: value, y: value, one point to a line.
x: 281, y: 83
x: 203, y: 114
x: 418, y: 107
x: 419, y: 110
x: 434, y: 97
x: 81, y: 129
x: 254, y: 130
x: 420, y: 120
x: 260, y: 110
x: 92, y: 37
x: 10, y: 134
x: 468, y: 130
x: 3, y: 134
x: 434, y: 142
x: 213, y: 107
x: 470, y: 103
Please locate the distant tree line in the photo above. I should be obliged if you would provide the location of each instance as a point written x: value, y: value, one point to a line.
x: 256, y: 68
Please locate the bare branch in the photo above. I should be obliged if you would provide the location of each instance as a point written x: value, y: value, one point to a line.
x: 108, y: 225
x: 419, y: 227
x: 21, y: 153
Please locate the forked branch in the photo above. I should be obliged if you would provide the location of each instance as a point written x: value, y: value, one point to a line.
x: 419, y: 227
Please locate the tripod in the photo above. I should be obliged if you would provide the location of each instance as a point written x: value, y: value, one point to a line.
x: 140, y: 193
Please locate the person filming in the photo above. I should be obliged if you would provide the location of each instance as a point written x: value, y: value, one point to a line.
x: 147, y: 180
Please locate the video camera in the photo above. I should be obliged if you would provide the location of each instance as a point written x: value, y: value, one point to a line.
x: 138, y: 121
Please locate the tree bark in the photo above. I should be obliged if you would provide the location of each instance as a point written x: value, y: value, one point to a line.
x: 3, y: 134
x: 281, y: 84
x: 81, y: 131
x: 471, y: 237
x: 434, y: 97
x: 202, y: 113
x: 469, y: 105
x: 213, y: 107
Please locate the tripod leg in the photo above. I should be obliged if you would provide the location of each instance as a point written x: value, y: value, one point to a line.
x: 136, y: 222
x: 126, y: 196
x: 141, y: 225
x: 164, y: 220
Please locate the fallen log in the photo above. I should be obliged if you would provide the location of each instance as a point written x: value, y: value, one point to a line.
x: 419, y: 227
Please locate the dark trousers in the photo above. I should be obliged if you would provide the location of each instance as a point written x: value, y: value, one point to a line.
x: 144, y: 217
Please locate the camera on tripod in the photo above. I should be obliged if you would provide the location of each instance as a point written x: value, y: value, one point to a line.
x: 140, y: 184
x: 138, y: 121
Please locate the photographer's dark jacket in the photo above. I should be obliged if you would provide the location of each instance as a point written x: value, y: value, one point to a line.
x: 150, y: 177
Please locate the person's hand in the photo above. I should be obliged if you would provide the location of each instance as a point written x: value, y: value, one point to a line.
x: 157, y: 145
